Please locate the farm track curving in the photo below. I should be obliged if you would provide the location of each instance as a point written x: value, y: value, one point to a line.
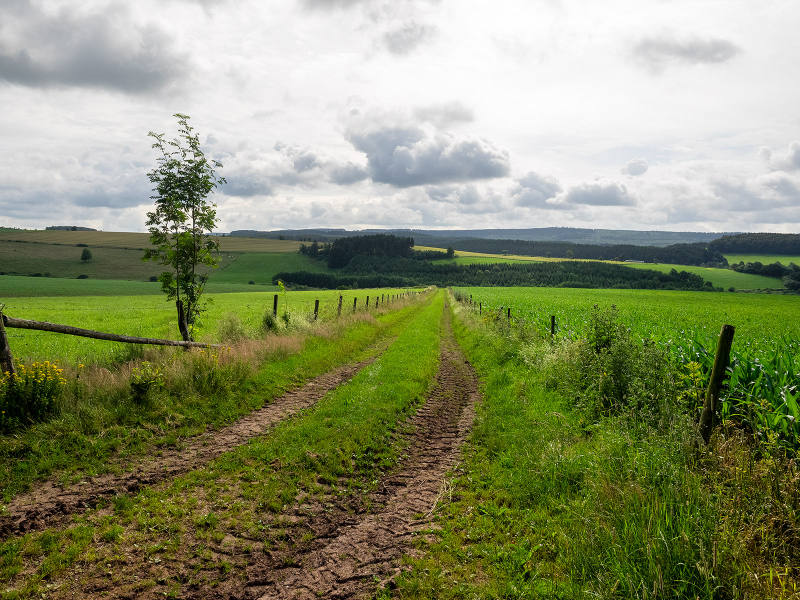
x: 50, y: 505
x: 353, y: 551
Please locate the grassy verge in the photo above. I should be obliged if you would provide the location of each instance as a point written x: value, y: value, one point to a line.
x: 556, y: 500
x: 206, y: 527
x: 102, y: 424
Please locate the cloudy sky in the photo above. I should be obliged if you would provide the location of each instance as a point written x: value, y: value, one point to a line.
x: 636, y: 114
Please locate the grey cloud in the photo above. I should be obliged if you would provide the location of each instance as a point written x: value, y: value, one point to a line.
x: 467, y: 195
x: 535, y: 190
x: 406, y: 156
x: 408, y: 37
x: 656, y: 53
x: 444, y: 115
x: 600, y: 193
x: 102, y: 50
x: 249, y: 182
x: 635, y: 167
x: 348, y: 174
x: 790, y: 161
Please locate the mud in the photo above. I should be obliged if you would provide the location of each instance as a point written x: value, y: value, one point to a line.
x: 50, y: 505
x: 356, y: 551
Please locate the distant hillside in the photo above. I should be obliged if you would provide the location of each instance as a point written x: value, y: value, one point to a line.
x: 758, y: 243
x: 426, y: 237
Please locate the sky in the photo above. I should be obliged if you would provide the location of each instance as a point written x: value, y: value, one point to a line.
x: 424, y: 114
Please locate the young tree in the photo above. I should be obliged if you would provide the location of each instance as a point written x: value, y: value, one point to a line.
x: 86, y: 254
x: 182, y: 219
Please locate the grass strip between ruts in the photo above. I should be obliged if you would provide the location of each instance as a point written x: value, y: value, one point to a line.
x: 103, y: 432
x: 175, y: 537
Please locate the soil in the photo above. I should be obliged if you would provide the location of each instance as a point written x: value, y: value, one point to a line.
x: 50, y: 505
x: 355, y: 552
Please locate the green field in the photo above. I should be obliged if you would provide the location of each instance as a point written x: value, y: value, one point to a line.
x: 764, y: 259
x: 153, y: 316
x: 761, y: 321
x: 724, y: 278
x: 12, y: 286
x: 261, y: 266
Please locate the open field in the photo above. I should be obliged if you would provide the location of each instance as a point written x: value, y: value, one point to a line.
x: 765, y: 259
x: 724, y: 278
x: 12, y: 286
x: 127, y: 264
x: 153, y: 316
x: 129, y: 240
x: 761, y: 320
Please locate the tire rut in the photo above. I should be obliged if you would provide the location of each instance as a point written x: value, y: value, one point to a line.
x: 352, y: 554
x: 50, y: 505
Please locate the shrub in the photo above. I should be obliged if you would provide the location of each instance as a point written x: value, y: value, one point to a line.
x: 144, y: 380
x: 268, y: 322
x: 86, y: 254
x: 29, y: 395
x: 83, y: 276
x: 153, y: 278
x: 251, y: 282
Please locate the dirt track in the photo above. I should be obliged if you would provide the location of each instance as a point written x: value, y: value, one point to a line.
x: 50, y: 505
x: 352, y: 554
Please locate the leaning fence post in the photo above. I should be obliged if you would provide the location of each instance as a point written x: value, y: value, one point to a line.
x: 275, y: 306
x: 6, y: 359
x: 717, y: 375
x: 316, y: 309
x: 339, y: 314
x: 552, y: 327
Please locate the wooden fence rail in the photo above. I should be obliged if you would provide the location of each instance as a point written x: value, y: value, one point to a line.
x: 6, y: 361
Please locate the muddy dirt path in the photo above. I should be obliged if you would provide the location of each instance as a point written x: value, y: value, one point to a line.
x: 50, y: 505
x: 354, y: 553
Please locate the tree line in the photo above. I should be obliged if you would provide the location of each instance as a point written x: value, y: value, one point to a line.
x: 758, y: 243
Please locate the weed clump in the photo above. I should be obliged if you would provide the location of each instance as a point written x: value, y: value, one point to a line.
x: 30, y: 394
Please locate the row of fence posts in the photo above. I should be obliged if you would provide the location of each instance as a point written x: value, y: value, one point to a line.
x: 721, y: 360
x: 382, y: 299
x: 508, y: 316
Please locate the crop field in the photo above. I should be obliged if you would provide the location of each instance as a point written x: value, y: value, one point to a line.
x: 129, y: 240
x: 761, y: 321
x: 153, y: 316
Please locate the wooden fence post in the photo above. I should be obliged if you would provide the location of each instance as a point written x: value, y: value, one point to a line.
x: 6, y: 359
x: 552, y: 327
x: 480, y: 308
x: 339, y: 313
x: 366, y: 303
x: 376, y: 301
x: 717, y: 375
x: 355, y: 302
x: 275, y: 306
x: 316, y: 309
x: 509, y: 314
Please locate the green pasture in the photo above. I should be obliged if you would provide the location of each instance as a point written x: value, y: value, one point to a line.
x: 154, y: 316
x: 761, y: 320
x: 765, y: 259
x: 724, y: 278
x: 12, y: 286
x: 259, y: 267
